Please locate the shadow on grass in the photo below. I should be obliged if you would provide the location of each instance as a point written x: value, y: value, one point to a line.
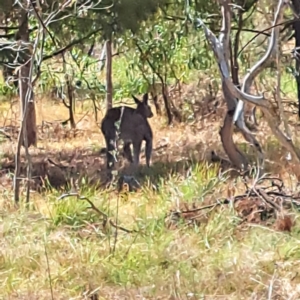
x: 87, y: 167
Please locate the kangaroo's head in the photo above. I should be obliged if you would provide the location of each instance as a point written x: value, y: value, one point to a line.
x: 143, y: 107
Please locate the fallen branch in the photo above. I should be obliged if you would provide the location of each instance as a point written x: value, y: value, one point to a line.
x: 258, y: 204
x: 226, y: 201
x: 101, y: 213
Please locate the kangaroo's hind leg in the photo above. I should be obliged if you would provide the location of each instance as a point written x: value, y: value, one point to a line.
x: 136, y: 152
x: 127, y: 151
x: 148, y: 150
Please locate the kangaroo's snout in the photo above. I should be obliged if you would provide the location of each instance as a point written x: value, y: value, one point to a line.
x: 150, y: 114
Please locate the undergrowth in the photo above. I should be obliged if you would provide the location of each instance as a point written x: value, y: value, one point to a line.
x: 62, y: 247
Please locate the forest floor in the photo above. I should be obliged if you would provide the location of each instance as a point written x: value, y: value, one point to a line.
x: 191, y: 230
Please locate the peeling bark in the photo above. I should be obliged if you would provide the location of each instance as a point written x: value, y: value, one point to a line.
x: 268, y: 111
x: 248, y: 136
x: 219, y: 45
x: 236, y: 157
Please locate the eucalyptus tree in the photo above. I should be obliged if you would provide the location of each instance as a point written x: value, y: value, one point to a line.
x: 235, y: 96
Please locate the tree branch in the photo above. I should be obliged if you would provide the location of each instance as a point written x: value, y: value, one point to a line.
x: 75, y: 42
x: 261, y: 64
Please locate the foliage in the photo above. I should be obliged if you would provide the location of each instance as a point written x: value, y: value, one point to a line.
x: 164, y: 47
x: 150, y: 37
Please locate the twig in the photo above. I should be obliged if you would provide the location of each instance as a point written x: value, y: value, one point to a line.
x: 82, y: 118
x: 6, y: 135
x: 116, y: 232
x: 226, y: 201
x: 75, y: 42
x: 126, y: 253
x: 278, y: 96
x: 270, y: 291
x: 262, y: 193
x: 48, y: 271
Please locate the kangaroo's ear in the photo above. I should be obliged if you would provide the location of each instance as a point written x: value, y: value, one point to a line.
x: 145, y: 98
x: 136, y: 100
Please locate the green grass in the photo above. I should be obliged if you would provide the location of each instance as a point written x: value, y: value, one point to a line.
x: 215, y: 259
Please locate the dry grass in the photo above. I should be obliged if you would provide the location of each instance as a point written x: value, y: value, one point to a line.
x: 62, y: 249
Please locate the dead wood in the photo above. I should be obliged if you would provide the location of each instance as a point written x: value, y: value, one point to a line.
x: 267, y: 202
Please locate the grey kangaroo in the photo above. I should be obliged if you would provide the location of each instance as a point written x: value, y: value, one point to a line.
x: 134, y: 129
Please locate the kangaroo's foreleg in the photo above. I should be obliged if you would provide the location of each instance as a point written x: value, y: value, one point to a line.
x: 109, y: 131
x: 110, y: 153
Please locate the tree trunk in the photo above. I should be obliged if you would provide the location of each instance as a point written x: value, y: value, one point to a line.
x: 109, y: 87
x: 153, y: 90
x: 236, y: 157
x: 156, y: 104
x: 296, y: 26
x: 23, y: 35
x: 166, y: 102
x: 71, y: 105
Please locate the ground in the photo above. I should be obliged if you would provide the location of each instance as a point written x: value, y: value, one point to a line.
x: 192, y: 230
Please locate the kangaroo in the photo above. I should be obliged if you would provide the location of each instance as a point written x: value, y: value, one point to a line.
x: 134, y: 128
